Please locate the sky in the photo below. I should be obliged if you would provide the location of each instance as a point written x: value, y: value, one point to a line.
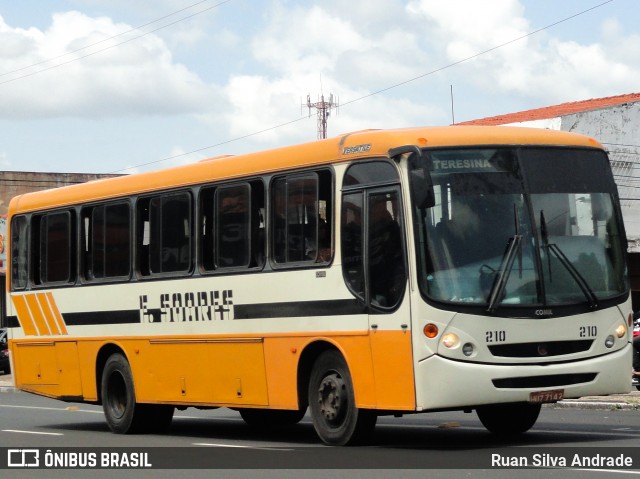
x: 115, y: 86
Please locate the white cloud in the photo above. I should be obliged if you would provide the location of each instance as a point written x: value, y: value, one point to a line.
x: 138, y: 77
x: 539, y: 66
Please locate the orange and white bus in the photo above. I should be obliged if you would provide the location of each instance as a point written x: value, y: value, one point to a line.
x: 376, y: 273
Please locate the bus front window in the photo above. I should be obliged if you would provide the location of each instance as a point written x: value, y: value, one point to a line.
x: 505, y: 232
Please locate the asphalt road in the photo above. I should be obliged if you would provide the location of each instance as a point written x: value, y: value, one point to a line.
x: 447, y: 445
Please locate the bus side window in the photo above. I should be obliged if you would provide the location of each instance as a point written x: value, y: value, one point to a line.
x: 106, y: 241
x: 54, y: 248
x: 206, y: 229
x: 301, y: 210
x: 164, y: 234
x: 233, y: 230
x: 231, y: 226
x: 352, y: 237
x: 387, y: 273
x: 19, y: 252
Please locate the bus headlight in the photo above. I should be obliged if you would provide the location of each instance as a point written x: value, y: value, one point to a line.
x: 450, y: 340
x: 609, y: 341
x: 621, y: 331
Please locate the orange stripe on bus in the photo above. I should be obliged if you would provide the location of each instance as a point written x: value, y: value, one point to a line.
x: 62, y: 327
x: 24, y: 316
x: 47, y: 313
x: 37, y: 315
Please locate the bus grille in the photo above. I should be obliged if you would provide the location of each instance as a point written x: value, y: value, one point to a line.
x: 544, y: 381
x: 541, y: 349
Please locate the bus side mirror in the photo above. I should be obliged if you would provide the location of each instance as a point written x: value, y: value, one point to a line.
x: 422, y: 188
x: 420, y: 179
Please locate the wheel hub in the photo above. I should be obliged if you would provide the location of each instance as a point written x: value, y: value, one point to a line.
x: 332, y: 398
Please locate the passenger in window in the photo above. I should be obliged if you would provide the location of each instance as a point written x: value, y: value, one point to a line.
x: 234, y: 224
x: 386, y: 261
x: 351, y: 238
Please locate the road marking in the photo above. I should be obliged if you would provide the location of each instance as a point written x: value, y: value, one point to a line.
x: 240, y: 446
x: 34, y: 432
x: 50, y: 408
x: 613, y: 471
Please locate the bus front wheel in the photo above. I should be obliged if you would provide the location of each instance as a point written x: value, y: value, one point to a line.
x: 508, y: 419
x: 123, y: 414
x: 336, y: 419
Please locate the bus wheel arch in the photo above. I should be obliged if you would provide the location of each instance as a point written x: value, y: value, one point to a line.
x: 104, y: 354
x: 308, y: 357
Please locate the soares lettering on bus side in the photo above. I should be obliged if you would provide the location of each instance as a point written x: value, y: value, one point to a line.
x: 185, y: 307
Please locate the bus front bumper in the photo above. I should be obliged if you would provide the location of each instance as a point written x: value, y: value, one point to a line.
x: 442, y: 383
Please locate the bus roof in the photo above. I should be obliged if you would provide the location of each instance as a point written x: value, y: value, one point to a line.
x: 361, y: 144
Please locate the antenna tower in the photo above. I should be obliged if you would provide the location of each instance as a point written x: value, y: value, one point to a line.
x: 323, y: 108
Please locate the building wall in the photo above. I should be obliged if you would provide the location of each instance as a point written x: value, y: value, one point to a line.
x: 14, y: 183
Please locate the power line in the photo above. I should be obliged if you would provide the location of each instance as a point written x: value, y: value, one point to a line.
x: 484, y: 52
x: 139, y: 27
x: 248, y: 135
x: 58, y: 65
x: 375, y: 92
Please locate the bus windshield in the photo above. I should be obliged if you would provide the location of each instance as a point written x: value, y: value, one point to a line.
x: 520, y: 226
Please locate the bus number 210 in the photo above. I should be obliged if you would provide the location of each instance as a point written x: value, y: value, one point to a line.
x: 588, y: 331
x: 495, y: 336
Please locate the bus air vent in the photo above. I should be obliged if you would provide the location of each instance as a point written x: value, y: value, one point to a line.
x: 540, y: 349
x: 554, y: 380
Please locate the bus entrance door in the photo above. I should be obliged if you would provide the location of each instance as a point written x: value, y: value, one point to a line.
x: 389, y: 306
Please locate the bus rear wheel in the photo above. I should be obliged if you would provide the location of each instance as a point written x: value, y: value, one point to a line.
x: 123, y: 414
x: 336, y: 419
x: 509, y: 419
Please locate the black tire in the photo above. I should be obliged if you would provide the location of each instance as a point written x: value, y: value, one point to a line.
x: 336, y: 419
x: 509, y: 419
x: 123, y: 414
x: 154, y: 418
x: 271, y: 418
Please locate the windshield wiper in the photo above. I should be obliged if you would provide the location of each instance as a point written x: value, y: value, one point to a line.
x: 506, y: 265
x: 568, y: 265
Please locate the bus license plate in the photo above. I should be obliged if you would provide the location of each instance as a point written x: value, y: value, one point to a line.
x: 554, y: 395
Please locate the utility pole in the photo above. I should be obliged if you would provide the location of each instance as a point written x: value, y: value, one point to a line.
x: 323, y: 108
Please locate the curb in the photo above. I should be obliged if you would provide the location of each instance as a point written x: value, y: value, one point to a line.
x: 607, y: 405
